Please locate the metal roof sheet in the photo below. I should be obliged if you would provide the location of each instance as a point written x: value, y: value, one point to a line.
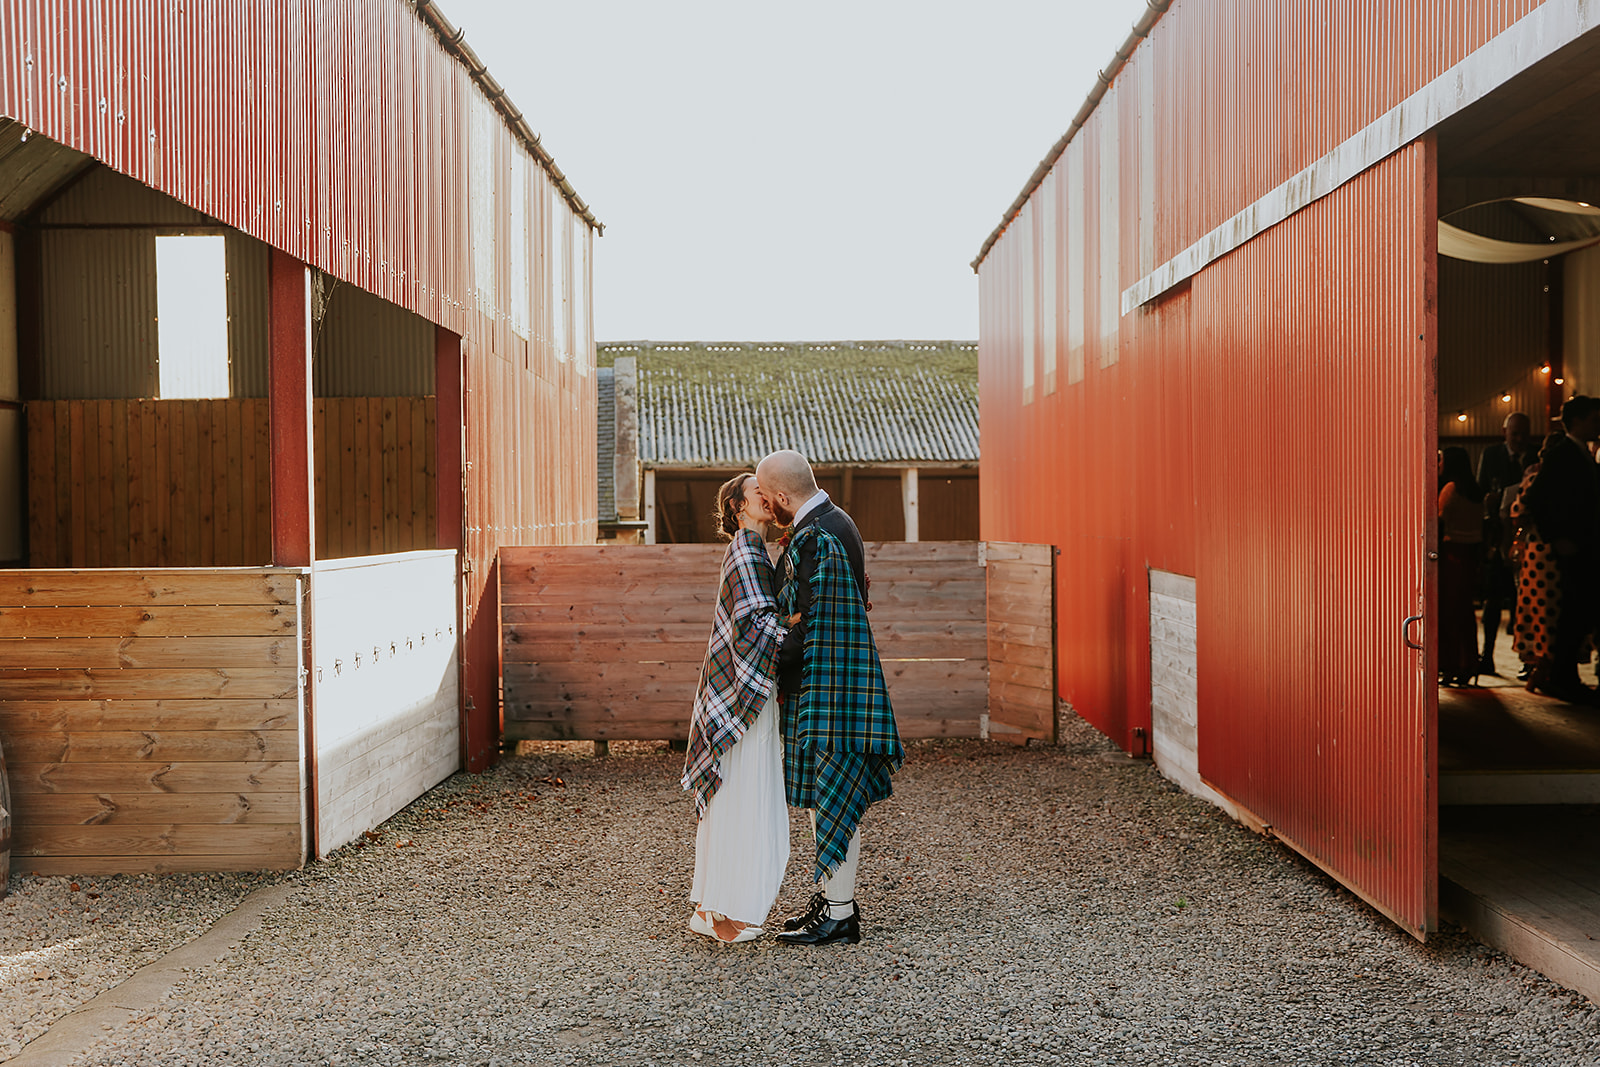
x: 728, y: 404
x: 32, y: 168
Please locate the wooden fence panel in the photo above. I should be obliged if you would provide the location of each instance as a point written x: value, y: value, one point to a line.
x: 606, y: 643
x: 176, y: 483
x: 1021, y: 628
x: 151, y: 719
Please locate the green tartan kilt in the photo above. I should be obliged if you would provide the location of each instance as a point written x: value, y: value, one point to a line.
x: 838, y: 786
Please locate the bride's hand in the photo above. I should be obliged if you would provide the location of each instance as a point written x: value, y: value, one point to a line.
x: 793, y: 620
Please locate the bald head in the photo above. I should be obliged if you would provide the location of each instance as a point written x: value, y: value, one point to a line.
x: 787, y: 472
x: 1518, y: 428
x: 786, y: 482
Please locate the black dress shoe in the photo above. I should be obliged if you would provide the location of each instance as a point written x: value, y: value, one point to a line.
x: 817, y: 907
x: 825, y: 931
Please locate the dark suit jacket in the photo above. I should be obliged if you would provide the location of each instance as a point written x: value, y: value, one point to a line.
x: 1565, y: 497
x: 833, y: 519
x: 1499, y: 469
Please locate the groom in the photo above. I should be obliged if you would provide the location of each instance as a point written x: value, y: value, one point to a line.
x: 840, y: 743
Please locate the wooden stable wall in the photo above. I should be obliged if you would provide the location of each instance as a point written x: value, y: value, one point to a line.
x: 375, y: 475
x: 175, y: 483
x: 147, y: 483
x: 606, y: 643
x: 151, y: 719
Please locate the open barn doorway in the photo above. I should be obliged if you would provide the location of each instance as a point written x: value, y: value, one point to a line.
x: 1519, y: 336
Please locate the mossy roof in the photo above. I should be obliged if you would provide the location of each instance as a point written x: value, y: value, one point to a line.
x: 727, y: 404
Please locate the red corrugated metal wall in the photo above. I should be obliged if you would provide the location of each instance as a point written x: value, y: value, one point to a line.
x: 340, y: 131
x: 1267, y: 428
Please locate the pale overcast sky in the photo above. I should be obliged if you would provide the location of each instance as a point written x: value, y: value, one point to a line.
x: 804, y: 172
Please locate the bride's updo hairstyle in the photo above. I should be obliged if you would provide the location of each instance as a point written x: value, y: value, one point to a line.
x: 730, y: 499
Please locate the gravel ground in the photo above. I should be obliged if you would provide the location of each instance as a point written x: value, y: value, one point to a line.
x: 63, y: 940
x: 1020, y: 906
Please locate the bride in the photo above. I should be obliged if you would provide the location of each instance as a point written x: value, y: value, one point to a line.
x: 735, y: 761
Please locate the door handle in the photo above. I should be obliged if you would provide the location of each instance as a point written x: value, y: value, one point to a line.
x: 1405, y: 632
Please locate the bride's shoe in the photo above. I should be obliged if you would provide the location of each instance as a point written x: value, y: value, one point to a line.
x: 700, y: 923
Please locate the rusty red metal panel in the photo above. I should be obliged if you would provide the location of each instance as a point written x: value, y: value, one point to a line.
x: 289, y: 405
x: 1267, y: 427
x: 1315, y: 715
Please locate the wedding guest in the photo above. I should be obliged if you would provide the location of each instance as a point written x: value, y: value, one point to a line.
x: 1564, y: 504
x: 1499, y: 476
x: 1460, y: 551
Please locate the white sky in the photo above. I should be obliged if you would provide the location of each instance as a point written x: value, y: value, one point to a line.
x: 794, y: 172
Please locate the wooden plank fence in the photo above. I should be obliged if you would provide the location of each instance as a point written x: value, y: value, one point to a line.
x: 606, y: 643
x: 174, y: 483
x: 151, y: 719
x: 1022, y: 649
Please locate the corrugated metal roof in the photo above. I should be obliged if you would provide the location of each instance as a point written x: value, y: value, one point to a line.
x: 32, y: 167
x: 606, y: 442
x: 727, y: 404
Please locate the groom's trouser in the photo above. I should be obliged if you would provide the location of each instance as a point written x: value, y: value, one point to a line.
x: 841, y: 886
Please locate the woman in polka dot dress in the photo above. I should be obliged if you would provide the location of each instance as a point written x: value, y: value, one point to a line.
x: 1538, y: 582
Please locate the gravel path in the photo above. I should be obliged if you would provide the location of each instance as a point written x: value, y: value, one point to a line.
x: 63, y: 940
x: 1021, y: 906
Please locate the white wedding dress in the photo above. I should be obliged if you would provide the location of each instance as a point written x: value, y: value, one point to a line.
x: 741, y: 847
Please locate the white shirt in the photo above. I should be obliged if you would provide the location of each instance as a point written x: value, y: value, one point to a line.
x: 817, y: 500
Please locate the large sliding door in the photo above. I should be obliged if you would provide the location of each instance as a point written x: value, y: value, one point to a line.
x: 1314, y: 402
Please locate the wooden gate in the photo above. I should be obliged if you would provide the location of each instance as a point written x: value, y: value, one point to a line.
x: 1022, y: 641
x: 605, y: 643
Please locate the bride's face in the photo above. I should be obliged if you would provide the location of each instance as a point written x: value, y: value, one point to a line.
x: 755, y: 504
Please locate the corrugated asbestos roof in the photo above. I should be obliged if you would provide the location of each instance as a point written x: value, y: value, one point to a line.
x: 848, y: 402
x: 606, y: 424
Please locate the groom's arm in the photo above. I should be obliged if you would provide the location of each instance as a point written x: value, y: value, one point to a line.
x: 792, y: 653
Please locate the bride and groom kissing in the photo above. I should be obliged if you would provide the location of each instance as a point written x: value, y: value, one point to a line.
x: 791, y: 711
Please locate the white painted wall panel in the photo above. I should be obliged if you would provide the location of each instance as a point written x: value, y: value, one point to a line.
x: 386, y: 683
x: 1174, y: 690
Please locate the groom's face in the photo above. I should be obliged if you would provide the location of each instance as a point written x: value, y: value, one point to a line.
x: 779, y: 503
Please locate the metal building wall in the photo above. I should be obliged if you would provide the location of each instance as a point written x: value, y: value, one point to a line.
x: 341, y: 131
x: 1267, y: 427
x: 367, y: 346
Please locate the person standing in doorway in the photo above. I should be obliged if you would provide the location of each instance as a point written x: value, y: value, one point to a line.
x: 840, y: 741
x: 1564, y: 504
x: 1460, y: 550
x: 1500, y: 470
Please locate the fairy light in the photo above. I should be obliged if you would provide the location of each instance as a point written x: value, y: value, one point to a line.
x: 1505, y: 398
x: 1545, y: 369
x: 1561, y: 381
x: 1461, y: 416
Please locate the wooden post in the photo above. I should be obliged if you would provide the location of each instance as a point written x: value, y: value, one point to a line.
x: 650, y: 507
x: 292, y: 479
x: 447, y: 437
x: 847, y: 488
x: 289, y: 412
x: 908, y: 498
x: 450, y: 489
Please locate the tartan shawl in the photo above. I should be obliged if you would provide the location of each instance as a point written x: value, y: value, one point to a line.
x: 840, y: 742
x: 740, y: 667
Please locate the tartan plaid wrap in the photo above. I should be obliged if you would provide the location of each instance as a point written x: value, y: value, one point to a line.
x: 740, y: 667
x: 840, y: 742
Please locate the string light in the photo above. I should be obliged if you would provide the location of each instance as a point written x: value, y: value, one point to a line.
x: 1461, y: 416
x: 1545, y: 369
x: 1505, y: 398
x: 1561, y: 381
